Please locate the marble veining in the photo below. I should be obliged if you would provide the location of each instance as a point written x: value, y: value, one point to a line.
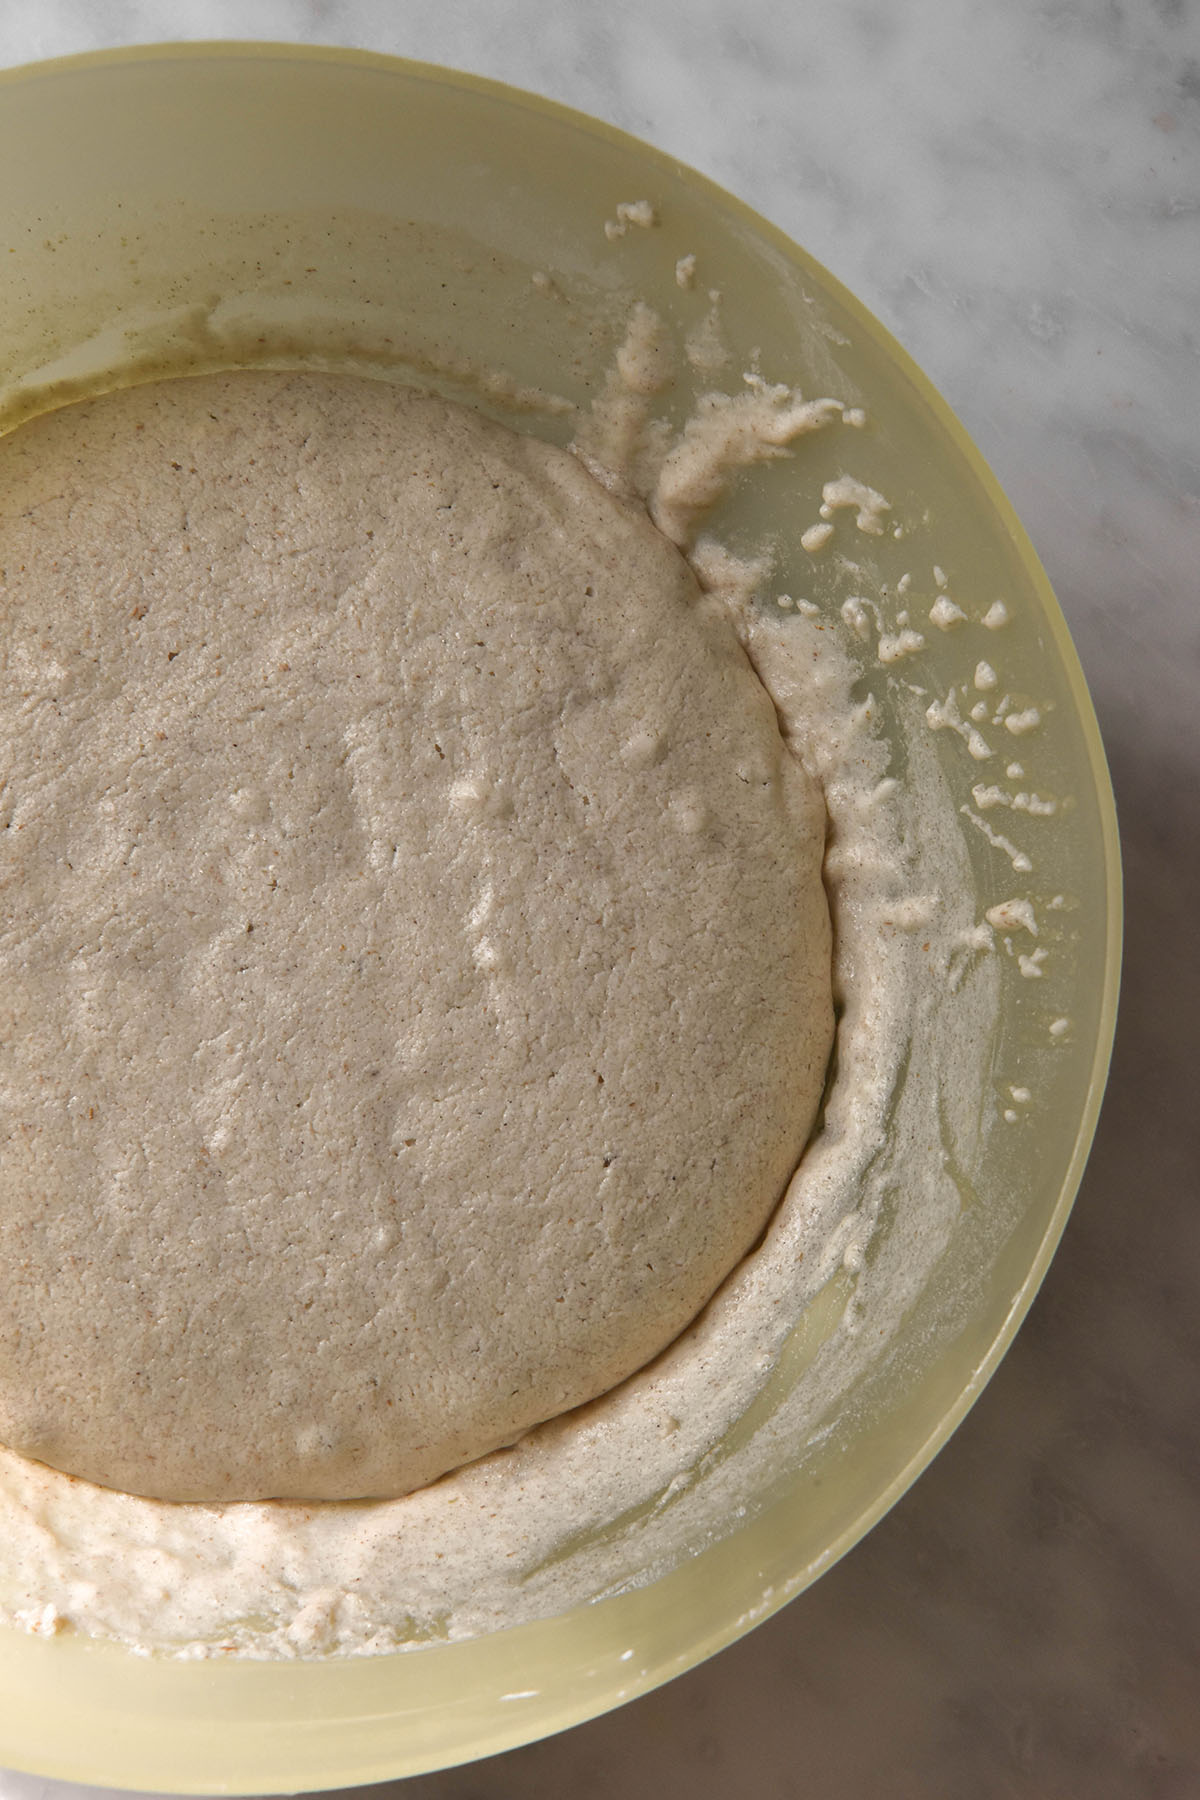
x: 1014, y: 187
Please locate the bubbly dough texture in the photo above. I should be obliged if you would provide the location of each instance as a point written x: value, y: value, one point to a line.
x: 414, y: 961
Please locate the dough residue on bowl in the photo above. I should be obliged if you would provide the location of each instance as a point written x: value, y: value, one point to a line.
x: 621, y: 1488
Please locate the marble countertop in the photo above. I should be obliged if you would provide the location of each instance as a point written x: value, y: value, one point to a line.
x: 1013, y: 186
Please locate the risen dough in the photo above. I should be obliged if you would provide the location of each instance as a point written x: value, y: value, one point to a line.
x: 414, y: 961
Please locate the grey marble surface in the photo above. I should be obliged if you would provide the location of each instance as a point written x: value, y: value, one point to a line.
x: 1014, y: 187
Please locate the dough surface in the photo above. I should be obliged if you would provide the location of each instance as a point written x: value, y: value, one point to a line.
x: 414, y: 960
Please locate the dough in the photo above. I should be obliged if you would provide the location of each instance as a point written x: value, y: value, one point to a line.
x: 414, y: 961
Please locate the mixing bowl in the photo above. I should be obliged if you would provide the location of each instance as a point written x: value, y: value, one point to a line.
x: 199, y: 206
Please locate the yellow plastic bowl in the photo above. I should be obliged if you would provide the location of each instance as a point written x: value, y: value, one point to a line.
x: 217, y: 204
